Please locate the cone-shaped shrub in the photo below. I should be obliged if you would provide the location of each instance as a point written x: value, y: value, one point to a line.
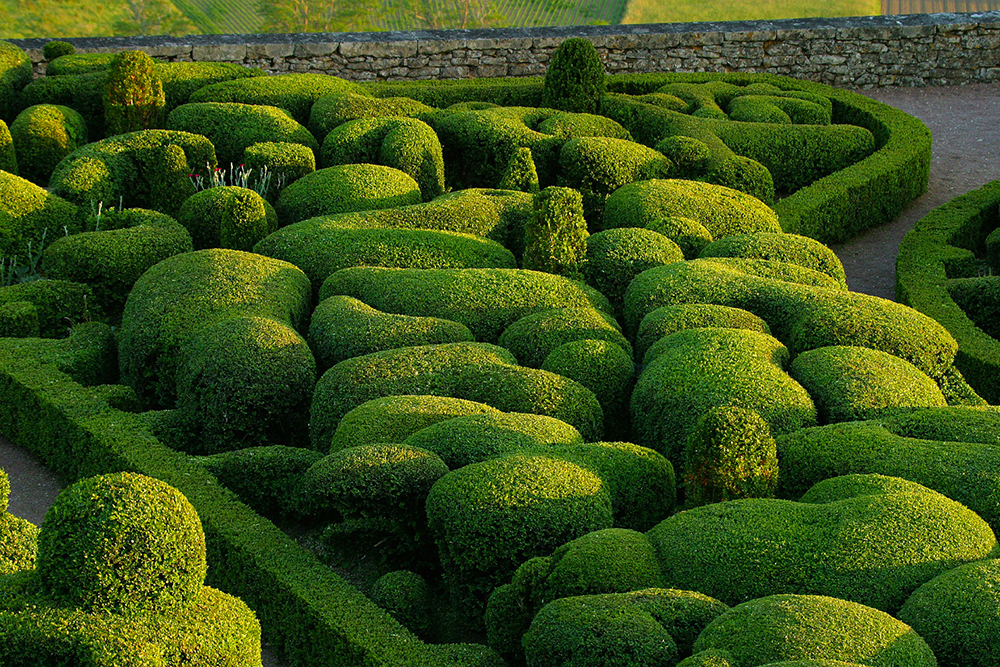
x: 521, y: 173
x: 556, y: 236
x: 133, y: 95
x: 574, y: 80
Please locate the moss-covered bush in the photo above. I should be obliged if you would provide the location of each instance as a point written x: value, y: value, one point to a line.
x: 463, y: 440
x: 15, y: 73
x: 487, y: 518
x: 485, y: 300
x: 30, y: 218
x: 854, y: 383
x: 406, y: 144
x: 604, y: 368
x: 333, y: 110
x: 666, y: 320
x: 730, y: 455
x: 791, y: 248
x: 184, y: 295
x: 296, y: 93
x: 393, y: 419
x: 345, y: 188
x: 901, y: 532
x: 407, y: 596
x: 534, y: 336
x: 555, y: 238
x: 133, y: 95
x: 277, y: 164
x: 111, y: 260
x: 43, y: 135
x: 695, y: 370
x: 690, y: 235
x: 233, y: 127
x: 958, y: 614
x: 721, y: 210
x: 574, y: 79
x: 616, y: 256
x: 18, y: 538
x: 227, y: 217
x: 807, y: 627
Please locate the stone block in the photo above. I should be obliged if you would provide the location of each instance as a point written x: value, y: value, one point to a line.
x: 258, y: 51
x: 219, y: 53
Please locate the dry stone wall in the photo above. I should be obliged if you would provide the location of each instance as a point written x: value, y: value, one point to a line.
x: 914, y: 50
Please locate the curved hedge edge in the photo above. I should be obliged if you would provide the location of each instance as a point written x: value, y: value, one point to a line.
x: 934, y: 251
x: 309, y: 612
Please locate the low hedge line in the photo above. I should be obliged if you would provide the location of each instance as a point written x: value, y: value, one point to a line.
x: 308, y: 612
x: 939, y: 249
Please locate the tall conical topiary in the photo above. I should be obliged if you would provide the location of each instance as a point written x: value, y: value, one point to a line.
x: 574, y: 80
x: 555, y: 238
x: 133, y: 96
x: 521, y: 173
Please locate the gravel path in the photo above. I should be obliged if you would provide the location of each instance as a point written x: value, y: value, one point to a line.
x: 966, y: 155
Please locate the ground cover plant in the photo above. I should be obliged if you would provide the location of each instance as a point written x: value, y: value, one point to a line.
x: 555, y: 387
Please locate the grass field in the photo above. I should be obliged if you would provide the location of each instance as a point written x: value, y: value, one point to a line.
x: 682, y: 11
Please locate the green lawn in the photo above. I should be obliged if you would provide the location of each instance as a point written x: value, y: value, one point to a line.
x: 681, y: 11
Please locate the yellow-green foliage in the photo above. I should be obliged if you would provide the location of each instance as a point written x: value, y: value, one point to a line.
x: 145, y: 169
x: 791, y: 248
x: 520, y: 173
x: 15, y: 74
x: 112, y: 259
x: 332, y: 110
x: 690, y: 235
x: 31, y: 217
x: 555, y: 239
x: 644, y: 11
x: 534, y: 336
x: 227, y: 217
x: 44, y: 134
x: 574, y: 79
x: 855, y: 383
x: 133, y: 94
x: 233, y: 127
x: 407, y: 144
x: 616, y: 256
x: 346, y: 188
x: 813, y: 631
x: 8, y: 156
x: 666, y: 320
x: 343, y: 327
x: 285, y: 162
x: 18, y: 538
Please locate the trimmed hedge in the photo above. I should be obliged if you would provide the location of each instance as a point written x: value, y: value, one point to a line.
x: 791, y: 248
x: 534, y: 336
x: 690, y: 235
x: 666, y: 320
x: 18, y: 537
x: 333, y: 110
x: 43, y: 135
x: 58, y: 304
x: 616, y: 256
x: 574, y: 79
x: 933, y: 252
x: 485, y: 300
x: 283, y: 162
x: 30, y: 217
x: 952, y: 424
x: 441, y: 93
x: 407, y: 597
x: 133, y: 95
x: 234, y: 127
x: 15, y: 73
x: 345, y: 188
x: 555, y: 237
x: 227, y: 217
x: 813, y: 630
x: 343, y: 327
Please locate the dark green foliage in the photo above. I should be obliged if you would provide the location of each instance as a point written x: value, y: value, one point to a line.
x: 285, y: 163
x: 343, y: 327
x: 690, y: 157
x: 8, y: 156
x: 597, y: 166
x: 18, y: 538
x: 730, y: 455
x: 485, y: 300
x: 442, y: 93
x: 332, y: 110
x: 463, y: 440
x: 227, y: 217
x: 184, y: 295
x: 296, y: 93
x: 718, y: 658
x: 487, y: 518
x: 30, y: 217
x: 407, y: 597
x: 616, y: 256
x: 722, y: 211
x: 791, y: 248
x: 393, y: 419
x: 521, y: 174
x: 958, y: 614
x: 111, y: 260
x: 345, y: 188
x: 574, y: 79
x: 81, y: 92
x: 233, y: 127
x: 243, y: 382
x: 133, y: 95
x: 15, y: 73
x: 690, y: 235
x: 993, y: 249
x: 55, y: 49
x: 699, y: 369
x: 407, y: 144
x: 604, y: 368
x: 265, y: 478
x: 83, y: 560
x: 808, y: 627
x: 778, y: 109
x: 979, y: 299
x: 43, y: 135
x: 751, y: 548
x: 146, y: 169
x: 666, y: 320
x: 59, y: 304
x: 534, y: 336
x: 555, y: 240
x: 19, y: 319
x: 78, y: 63
x: 855, y: 383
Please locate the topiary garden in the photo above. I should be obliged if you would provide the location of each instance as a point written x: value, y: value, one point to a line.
x: 550, y: 373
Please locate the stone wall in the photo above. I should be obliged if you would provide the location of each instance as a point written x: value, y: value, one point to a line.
x: 914, y: 50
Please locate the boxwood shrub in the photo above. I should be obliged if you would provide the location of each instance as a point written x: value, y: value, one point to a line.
x: 791, y: 248
x: 690, y: 235
x: 616, y: 256
x: 18, y: 537
x: 407, y: 596
x: 8, y: 157
x: 534, y: 336
x: 15, y: 73
x: 43, y: 135
x: 333, y: 110
x: 666, y: 320
x: 58, y: 304
x: 574, y: 79
x: 31, y: 215
x: 281, y: 161
x: 227, y: 217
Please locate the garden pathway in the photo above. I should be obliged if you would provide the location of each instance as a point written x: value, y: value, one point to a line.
x: 965, y: 124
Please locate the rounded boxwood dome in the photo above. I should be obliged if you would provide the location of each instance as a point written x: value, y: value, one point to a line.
x: 122, y: 542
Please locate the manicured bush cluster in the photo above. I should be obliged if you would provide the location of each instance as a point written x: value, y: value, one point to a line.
x: 56, y: 304
x: 616, y: 256
x: 133, y: 94
x: 690, y: 235
x: 345, y: 188
x: 574, y: 79
x: 282, y: 162
x: 113, y: 258
x: 227, y: 217
x: 30, y: 218
x: 333, y: 110
x: 604, y: 368
x: 979, y: 299
x: 18, y: 538
x: 534, y: 336
x: 406, y: 144
x: 666, y: 320
x: 791, y: 248
x: 407, y: 596
x: 993, y: 248
x: 15, y: 74
x: 43, y: 135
